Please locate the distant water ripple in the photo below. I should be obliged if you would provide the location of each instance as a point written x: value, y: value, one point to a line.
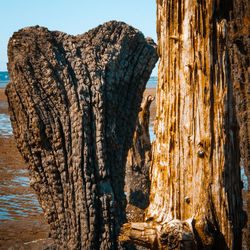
x: 5, y: 126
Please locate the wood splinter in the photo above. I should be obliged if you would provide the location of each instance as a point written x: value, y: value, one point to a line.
x: 174, y: 234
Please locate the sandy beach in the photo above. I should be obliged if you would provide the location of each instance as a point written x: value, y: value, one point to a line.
x: 23, y: 226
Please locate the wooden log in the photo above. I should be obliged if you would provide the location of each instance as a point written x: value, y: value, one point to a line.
x: 73, y: 103
x: 137, y: 183
x: 201, y: 127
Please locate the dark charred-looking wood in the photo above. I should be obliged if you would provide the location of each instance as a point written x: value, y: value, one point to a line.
x: 73, y: 103
x: 137, y: 181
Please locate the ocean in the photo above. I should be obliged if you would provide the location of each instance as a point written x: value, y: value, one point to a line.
x: 3, y: 84
x: 152, y: 82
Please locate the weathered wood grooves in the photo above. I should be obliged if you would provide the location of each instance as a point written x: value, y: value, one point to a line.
x: 73, y: 103
x: 200, y: 126
x: 137, y: 183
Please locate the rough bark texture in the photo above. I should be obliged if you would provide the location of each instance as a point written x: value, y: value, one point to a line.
x: 201, y: 128
x: 73, y: 103
x: 137, y: 183
x: 238, y: 52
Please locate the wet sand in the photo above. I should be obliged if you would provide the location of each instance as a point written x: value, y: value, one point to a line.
x: 21, y: 218
x: 22, y: 225
x: 3, y: 102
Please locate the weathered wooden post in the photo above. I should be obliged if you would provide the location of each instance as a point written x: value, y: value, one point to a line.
x: 201, y: 128
x: 137, y: 183
x: 73, y: 103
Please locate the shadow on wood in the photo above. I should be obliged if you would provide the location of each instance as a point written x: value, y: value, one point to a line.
x: 200, y: 126
x: 73, y: 103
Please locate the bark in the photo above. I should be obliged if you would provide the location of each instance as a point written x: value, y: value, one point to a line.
x: 73, y: 103
x: 238, y: 53
x: 137, y: 181
x: 201, y: 128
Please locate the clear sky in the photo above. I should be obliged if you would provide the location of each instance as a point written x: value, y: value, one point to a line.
x: 73, y: 17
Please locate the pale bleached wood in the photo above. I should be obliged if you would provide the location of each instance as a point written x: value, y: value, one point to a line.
x: 195, y: 173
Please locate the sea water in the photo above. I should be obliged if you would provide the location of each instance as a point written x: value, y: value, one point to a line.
x: 5, y: 126
x: 3, y: 84
x: 152, y: 82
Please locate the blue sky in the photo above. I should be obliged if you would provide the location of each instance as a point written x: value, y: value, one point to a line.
x: 73, y: 17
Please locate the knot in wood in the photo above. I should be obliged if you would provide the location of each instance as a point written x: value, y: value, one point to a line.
x: 187, y: 199
x: 201, y: 150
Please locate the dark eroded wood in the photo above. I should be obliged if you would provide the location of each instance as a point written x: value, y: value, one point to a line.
x: 137, y: 183
x: 73, y: 103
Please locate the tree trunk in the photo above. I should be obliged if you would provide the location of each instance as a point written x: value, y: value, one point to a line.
x: 73, y: 103
x: 195, y: 196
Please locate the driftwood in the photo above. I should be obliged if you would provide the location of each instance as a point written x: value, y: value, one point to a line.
x: 137, y: 183
x: 201, y: 128
x: 73, y: 103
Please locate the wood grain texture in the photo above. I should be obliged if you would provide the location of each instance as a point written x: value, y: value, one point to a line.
x: 73, y: 103
x: 200, y: 126
x: 137, y: 183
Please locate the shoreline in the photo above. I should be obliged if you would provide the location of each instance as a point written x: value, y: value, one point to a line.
x: 22, y: 225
